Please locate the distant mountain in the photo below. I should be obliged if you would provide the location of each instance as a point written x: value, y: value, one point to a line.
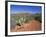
x: 21, y: 14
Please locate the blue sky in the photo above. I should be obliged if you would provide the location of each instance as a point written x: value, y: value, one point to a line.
x: 30, y: 9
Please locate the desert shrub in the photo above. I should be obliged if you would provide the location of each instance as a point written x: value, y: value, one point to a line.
x: 20, y: 21
x: 38, y: 17
x: 26, y: 21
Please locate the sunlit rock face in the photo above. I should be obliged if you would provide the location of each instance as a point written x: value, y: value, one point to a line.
x: 10, y: 0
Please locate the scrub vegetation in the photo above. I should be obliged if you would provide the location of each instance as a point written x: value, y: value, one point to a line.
x: 21, y: 19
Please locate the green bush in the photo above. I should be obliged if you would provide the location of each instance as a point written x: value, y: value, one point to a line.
x: 39, y: 18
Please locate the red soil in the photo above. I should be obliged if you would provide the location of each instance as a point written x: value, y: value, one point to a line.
x: 31, y: 26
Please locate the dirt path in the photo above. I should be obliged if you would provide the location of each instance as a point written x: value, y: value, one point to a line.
x: 31, y: 26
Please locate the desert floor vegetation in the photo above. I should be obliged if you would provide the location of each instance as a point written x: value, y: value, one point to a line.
x: 26, y: 22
